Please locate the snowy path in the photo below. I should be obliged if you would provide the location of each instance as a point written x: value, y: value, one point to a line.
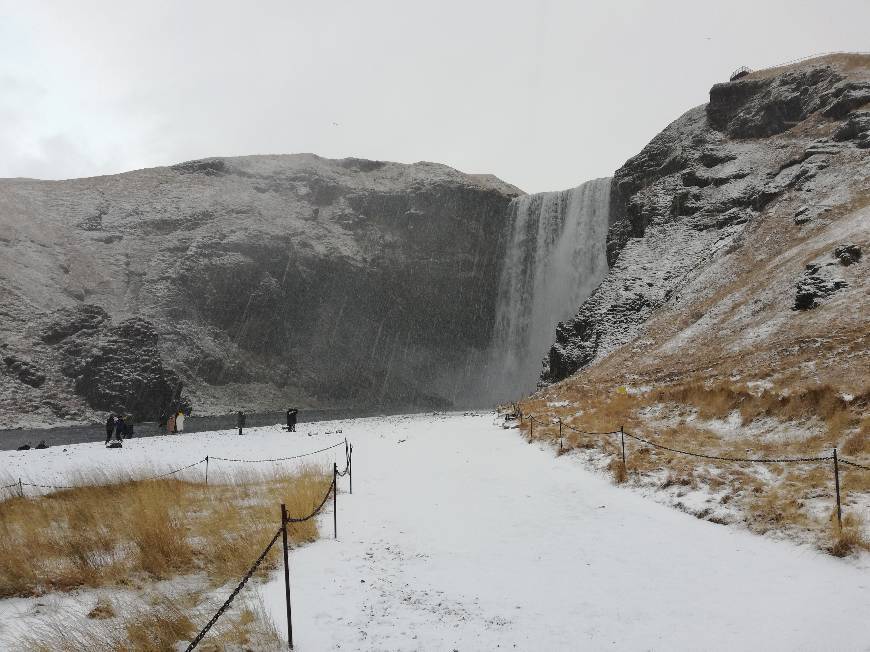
x: 464, y: 537
x: 461, y: 536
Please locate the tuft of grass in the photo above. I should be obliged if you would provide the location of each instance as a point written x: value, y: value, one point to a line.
x: 850, y: 538
x: 102, y: 610
x: 859, y: 441
x: 617, y: 470
x: 136, y: 531
x: 157, y: 627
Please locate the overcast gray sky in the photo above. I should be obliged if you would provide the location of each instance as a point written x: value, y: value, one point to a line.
x: 543, y: 94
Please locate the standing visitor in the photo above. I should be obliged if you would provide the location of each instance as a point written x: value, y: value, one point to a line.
x: 120, y: 426
x: 110, y: 426
x: 291, y: 419
x: 241, y: 421
x: 128, y: 426
x: 179, y: 421
x: 170, y: 425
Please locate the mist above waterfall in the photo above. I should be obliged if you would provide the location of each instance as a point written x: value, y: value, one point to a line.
x: 555, y: 256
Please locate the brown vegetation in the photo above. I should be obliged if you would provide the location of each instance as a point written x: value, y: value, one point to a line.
x: 131, y: 533
x: 134, y: 531
x: 772, y: 497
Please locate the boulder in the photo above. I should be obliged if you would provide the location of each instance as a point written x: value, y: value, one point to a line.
x: 816, y: 283
x: 848, y: 254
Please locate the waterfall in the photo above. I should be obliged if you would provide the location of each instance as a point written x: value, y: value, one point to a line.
x: 555, y: 257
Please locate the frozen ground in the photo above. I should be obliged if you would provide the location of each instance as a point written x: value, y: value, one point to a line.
x: 461, y: 536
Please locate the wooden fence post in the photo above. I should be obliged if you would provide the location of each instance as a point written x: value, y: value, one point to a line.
x: 837, y: 484
x: 206, y: 470
x: 560, y: 433
x: 286, y: 576
x: 622, y: 441
x: 335, y: 499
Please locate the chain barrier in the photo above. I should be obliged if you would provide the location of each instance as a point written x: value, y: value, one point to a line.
x: 855, y: 464
x: 341, y: 474
x: 761, y: 460
x: 723, y: 458
x: 233, y: 595
x: 281, y: 459
x: 189, y: 466
x: 163, y: 475
x: 329, y: 491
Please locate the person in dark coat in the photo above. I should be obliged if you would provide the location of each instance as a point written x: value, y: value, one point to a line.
x: 241, y: 421
x: 128, y: 426
x: 119, y: 428
x: 291, y: 419
x: 110, y: 427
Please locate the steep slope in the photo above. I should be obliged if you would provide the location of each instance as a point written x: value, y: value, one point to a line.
x: 734, y: 320
x: 263, y: 281
x: 727, y: 236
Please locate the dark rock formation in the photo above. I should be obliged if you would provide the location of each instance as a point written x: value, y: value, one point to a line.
x: 856, y: 128
x: 691, y: 192
x: 816, y: 283
x: 848, y: 254
x: 269, y: 279
x: 24, y: 370
x: 115, y: 368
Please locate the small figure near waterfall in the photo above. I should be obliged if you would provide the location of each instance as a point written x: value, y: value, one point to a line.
x: 241, y: 421
x: 110, y: 426
x: 291, y: 419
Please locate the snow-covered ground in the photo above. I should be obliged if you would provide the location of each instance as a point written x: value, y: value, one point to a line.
x: 461, y: 536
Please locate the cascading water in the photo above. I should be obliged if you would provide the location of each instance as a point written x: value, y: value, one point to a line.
x: 555, y: 257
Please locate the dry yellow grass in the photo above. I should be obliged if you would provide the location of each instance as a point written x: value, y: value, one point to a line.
x: 156, y: 624
x: 849, y: 538
x: 133, y: 532
x: 781, y: 498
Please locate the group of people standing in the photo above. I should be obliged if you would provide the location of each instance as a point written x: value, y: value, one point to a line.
x: 119, y: 427
x: 175, y: 423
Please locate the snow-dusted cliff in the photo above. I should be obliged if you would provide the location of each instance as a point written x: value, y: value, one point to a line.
x: 263, y: 281
x: 725, y: 230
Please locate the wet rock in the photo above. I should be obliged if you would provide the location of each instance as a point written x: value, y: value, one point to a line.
x: 848, y: 254
x: 856, y: 128
x: 816, y: 283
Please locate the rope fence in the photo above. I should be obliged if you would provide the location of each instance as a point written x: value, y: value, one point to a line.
x: 21, y: 484
x: 282, y: 532
x: 833, y: 457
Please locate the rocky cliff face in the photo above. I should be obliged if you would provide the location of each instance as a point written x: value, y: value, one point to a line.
x: 253, y: 283
x: 770, y: 175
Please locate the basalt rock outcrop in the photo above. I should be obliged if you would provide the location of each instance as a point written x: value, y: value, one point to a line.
x: 255, y: 282
x: 789, y: 141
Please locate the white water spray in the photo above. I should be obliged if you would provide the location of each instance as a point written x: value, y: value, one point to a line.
x: 555, y: 257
